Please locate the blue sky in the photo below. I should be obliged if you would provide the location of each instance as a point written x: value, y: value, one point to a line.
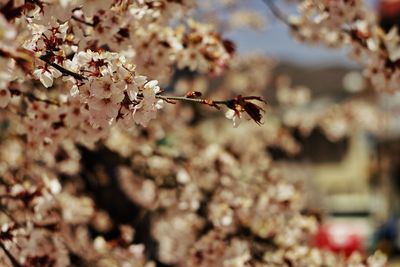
x: 275, y: 40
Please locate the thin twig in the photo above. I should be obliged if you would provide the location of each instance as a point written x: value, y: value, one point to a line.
x: 169, y: 99
x: 32, y: 97
x: 13, y: 260
x: 209, y: 102
x: 91, y: 24
x: 277, y: 12
x: 195, y: 100
x: 46, y: 58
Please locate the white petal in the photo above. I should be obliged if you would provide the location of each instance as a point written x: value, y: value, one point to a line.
x: 117, y: 97
x: 230, y: 114
x: 37, y: 73
x: 47, y: 79
x: 151, y: 84
x: 55, y: 73
x: 140, y: 80
x: 112, y: 110
x: 159, y: 104
x: 132, y: 94
x: 236, y: 121
x: 74, y: 91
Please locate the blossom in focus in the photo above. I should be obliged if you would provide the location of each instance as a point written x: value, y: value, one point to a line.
x: 232, y: 115
x: 46, y: 75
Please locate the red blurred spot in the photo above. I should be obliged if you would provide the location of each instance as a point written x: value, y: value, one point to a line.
x: 389, y: 8
x: 339, y: 238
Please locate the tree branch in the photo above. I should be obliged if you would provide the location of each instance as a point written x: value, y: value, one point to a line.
x: 13, y: 260
x: 278, y: 13
x: 168, y: 99
x: 209, y: 102
x: 238, y: 104
x: 32, y: 97
x: 91, y: 24
x: 46, y: 58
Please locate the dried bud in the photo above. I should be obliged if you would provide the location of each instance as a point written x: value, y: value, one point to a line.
x: 242, y: 104
x: 193, y: 94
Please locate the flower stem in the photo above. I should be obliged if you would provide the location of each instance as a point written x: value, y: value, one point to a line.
x: 194, y: 100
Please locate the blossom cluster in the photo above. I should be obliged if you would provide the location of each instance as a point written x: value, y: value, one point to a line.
x: 204, y: 203
x: 82, y: 185
x: 94, y: 59
x: 352, y: 24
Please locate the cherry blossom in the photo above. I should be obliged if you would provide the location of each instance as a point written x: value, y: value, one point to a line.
x: 103, y: 165
x: 47, y: 75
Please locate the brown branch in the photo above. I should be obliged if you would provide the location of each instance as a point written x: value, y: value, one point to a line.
x: 13, y: 260
x: 46, y: 58
x: 238, y: 104
x: 91, y: 24
x: 278, y: 13
x: 32, y: 97
x: 209, y: 102
x: 169, y: 99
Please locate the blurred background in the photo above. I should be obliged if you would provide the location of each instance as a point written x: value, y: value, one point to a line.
x: 354, y: 178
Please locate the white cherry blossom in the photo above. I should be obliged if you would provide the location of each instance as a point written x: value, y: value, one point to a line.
x: 46, y: 75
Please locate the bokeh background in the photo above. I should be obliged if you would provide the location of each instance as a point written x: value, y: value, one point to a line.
x: 354, y: 181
